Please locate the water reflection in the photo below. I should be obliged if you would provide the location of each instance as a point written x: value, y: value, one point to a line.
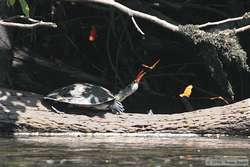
x: 123, y: 151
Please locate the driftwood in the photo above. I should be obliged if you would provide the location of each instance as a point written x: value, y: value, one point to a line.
x: 23, y: 112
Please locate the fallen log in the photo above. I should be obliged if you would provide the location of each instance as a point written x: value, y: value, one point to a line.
x: 24, y: 112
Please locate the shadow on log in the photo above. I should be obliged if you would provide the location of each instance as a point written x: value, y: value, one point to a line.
x: 23, y: 112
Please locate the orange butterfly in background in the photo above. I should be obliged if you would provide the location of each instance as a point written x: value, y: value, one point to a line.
x: 92, y: 34
x: 152, y: 66
x: 219, y: 98
x: 187, y: 92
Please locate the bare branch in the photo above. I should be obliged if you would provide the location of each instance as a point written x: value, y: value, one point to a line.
x: 132, y: 13
x: 34, y: 23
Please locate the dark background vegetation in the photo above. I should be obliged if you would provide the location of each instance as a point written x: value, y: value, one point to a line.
x: 45, y: 58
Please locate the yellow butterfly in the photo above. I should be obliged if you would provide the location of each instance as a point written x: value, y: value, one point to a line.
x: 187, y: 92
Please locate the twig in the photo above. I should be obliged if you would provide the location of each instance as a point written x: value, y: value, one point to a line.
x: 223, y: 21
x: 34, y: 23
x: 241, y: 29
x: 21, y: 17
x: 137, y: 27
x: 220, y: 22
x: 132, y: 13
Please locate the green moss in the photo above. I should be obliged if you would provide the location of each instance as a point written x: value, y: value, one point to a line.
x: 225, y: 42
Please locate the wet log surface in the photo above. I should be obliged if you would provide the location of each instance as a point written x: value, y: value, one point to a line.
x: 24, y: 112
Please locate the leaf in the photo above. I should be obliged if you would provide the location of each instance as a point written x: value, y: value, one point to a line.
x: 11, y: 2
x: 187, y: 92
x: 25, y: 7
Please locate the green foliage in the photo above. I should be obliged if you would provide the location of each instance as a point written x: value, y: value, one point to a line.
x: 24, y: 6
x: 11, y: 2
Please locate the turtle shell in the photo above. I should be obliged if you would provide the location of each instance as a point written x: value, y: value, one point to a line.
x: 82, y: 94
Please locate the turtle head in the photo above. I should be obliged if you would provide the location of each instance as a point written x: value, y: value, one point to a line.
x: 133, y: 87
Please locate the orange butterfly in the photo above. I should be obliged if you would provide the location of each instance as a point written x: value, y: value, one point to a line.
x: 187, y: 92
x: 92, y: 34
x: 152, y: 66
x: 219, y: 98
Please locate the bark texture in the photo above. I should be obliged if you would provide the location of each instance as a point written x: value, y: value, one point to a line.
x: 24, y: 112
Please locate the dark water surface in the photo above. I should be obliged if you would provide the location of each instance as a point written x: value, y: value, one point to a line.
x: 155, y: 151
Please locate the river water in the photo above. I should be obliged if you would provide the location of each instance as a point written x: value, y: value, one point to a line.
x: 120, y: 150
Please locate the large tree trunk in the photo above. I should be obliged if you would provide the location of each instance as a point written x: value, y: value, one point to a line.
x: 24, y: 112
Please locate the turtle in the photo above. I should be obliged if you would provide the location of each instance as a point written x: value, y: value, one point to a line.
x: 92, y: 96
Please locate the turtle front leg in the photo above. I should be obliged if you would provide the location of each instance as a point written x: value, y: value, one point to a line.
x: 117, y: 107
